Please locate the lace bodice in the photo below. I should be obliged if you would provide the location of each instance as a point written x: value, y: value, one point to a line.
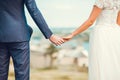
x: 110, y: 9
x: 108, y: 4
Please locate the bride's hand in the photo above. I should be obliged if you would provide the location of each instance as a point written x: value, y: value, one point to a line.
x: 67, y: 38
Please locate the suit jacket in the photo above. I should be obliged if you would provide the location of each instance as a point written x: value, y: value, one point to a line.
x: 13, y: 24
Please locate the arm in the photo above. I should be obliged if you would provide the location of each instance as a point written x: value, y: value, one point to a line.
x: 38, y: 18
x: 94, y: 14
x: 118, y: 18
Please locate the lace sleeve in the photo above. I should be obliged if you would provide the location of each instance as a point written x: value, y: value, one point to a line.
x: 99, y: 3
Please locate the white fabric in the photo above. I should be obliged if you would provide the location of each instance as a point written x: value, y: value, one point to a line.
x: 99, y: 3
x: 108, y: 4
x: 104, y: 48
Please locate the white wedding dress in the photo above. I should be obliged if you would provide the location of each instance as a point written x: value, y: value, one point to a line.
x: 104, y: 47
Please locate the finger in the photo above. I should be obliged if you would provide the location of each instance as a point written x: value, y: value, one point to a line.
x: 54, y: 42
x: 61, y: 41
x: 66, y: 38
x: 57, y: 43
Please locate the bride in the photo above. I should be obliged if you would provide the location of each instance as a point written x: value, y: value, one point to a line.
x: 104, y: 47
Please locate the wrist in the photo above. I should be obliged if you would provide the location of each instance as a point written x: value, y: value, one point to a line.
x: 72, y: 35
x: 51, y: 36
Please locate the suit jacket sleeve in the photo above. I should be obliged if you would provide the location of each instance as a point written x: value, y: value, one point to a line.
x: 38, y: 18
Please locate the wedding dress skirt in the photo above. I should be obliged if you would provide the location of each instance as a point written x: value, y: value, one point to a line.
x: 104, y: 53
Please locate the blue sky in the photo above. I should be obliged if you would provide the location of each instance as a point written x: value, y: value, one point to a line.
x: 63, y: 13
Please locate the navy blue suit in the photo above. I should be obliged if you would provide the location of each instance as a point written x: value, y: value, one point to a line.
x: 13, y: 24
x: 15, y: 35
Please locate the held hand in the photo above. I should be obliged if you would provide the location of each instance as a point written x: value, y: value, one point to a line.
x: 56, y: 40
x: 67, y: 38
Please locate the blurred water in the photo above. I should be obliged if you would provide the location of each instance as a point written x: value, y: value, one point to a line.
x: 86, y: 45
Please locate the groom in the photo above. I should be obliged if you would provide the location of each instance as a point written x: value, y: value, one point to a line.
x: 15, y: 36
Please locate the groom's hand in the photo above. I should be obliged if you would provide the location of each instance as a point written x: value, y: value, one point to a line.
x: 56, y: 40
